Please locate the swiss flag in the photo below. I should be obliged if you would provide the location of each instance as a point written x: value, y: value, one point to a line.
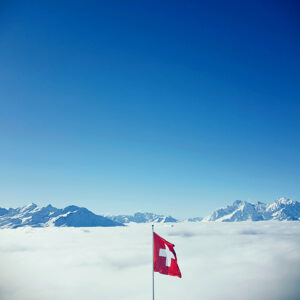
x: 164, y: 260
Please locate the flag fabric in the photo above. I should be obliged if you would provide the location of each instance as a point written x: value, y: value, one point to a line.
x: 165, y: 259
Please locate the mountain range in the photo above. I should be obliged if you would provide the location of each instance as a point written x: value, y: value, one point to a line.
x: 36, y: 216
x: 282, y: 210
x: 74, y: 216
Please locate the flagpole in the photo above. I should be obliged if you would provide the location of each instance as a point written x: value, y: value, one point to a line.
x: 152, y: 261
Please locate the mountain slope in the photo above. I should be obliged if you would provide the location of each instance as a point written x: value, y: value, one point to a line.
x: 282, y: 209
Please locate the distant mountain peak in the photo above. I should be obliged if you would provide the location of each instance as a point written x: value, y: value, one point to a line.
x: 143, y: 217
x: 238, y: 202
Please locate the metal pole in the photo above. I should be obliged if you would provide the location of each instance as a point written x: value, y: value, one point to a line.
x: 152, y: 261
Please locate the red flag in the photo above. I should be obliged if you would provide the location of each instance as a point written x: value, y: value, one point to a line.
x: 164, y: 260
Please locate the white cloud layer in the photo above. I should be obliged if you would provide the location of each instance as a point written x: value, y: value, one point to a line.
x: 218, y: 261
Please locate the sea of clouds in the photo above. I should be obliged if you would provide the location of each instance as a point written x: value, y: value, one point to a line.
x: 259, y: 260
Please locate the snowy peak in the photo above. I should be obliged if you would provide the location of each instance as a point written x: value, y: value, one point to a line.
x: 280, y: 203
x: 282, y: 209
x: 238, y: 203
x: 285, y: 201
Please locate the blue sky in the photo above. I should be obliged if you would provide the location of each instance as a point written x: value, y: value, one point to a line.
x: 175, y: 107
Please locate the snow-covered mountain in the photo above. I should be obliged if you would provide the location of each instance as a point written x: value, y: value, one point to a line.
x: 36, y: 216
x: 282, y: 209
x: 143, y: 218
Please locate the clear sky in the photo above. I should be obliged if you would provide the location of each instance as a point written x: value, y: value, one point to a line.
x: 174, y: 107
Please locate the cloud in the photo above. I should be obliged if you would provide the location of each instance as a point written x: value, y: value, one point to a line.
x: 185, y: 234
x: 218, y: 261
x: 250, y: 231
